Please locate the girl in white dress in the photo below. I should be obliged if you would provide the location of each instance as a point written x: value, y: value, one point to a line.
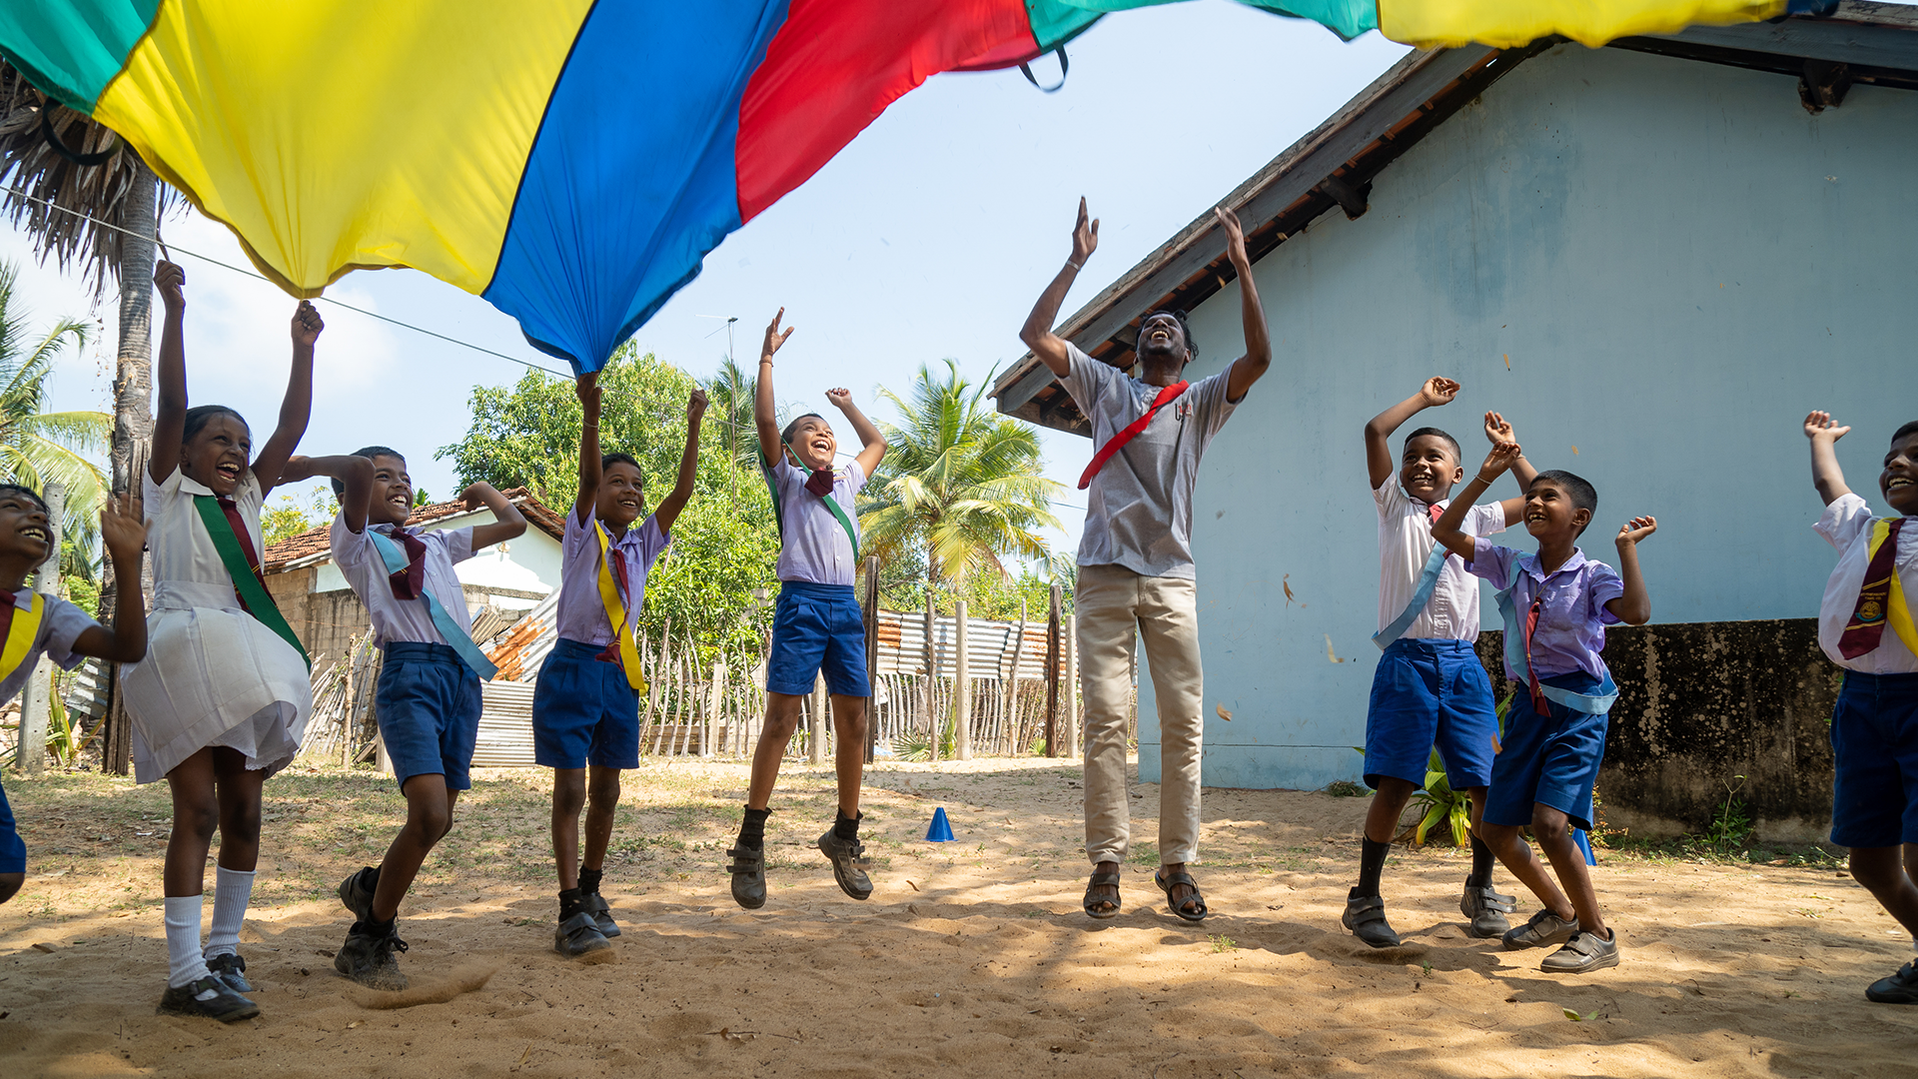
x: 223, y: 695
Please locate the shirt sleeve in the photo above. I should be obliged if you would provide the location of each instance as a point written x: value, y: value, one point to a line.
x: 1390, y: 497
x: 60, y: 626
x: 349, y: 551
x: 1604, y: 585
x: 574, y: 536
x: 1492, y: 562
x: 459, y: 543
x: 652, y: 542
x: 1485, y: 519
x: 855, y: 478
x: 1085, y: 378
x: 1209, y: 400
x: 1845, y: 521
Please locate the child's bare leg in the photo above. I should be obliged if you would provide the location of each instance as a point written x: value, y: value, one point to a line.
x: 602, y: 788
x: 1516, y: 854
x: 849, y: 752
x: 1889, y: 880
x: 569, y: 796
x: 10, y: 885
x: 1388, y: 803
x: 1553, y: 830
x: 782, y: 718
x: 196, y: 812
x: 237, y: 790
x: 429, y: 816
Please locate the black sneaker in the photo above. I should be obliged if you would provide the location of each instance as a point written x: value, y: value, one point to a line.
x: 356, y: 892
x: 369, y: 960
x: 209, y: 997
x: 1900, y: 988
x: 594, y: 904
x: 231, y: 969
x: 848, y: 857
x: 1365, y: 917
x: 578, y: 938
x: 748, y: 867
x: 1485, y: 910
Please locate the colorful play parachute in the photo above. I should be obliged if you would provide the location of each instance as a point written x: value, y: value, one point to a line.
x: 570, y: 160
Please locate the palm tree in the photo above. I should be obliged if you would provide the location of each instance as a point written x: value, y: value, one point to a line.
x: 730, y: 393
x: 37, y: 446
x: 960, y: 489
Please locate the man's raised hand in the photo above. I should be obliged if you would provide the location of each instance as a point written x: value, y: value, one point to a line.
x: 1085, y: 235
x: 1439, y: 391
x: 774, y: 338
x: 1819, y: 425
x: 1234, y: 237
x: 1636, y: 529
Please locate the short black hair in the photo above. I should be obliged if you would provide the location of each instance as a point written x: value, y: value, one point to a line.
x: 1584, y: 496
x: 1185, y: 330
x: 25, y: 490
x: 198, y: 415
x: 608, y: 460
x: 786, y: 436
x: 1908, y: 429
x: 1457, y: 454
x: 368, y: 452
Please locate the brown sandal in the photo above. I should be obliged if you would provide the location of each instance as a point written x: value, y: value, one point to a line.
x: 1167, y: 883
x: 1093, y: 901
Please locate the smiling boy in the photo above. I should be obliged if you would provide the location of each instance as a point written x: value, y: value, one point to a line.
x: 1429, y: 688
x: 586, y: 701
x: 1874, y: 728
x: 1556, y: 604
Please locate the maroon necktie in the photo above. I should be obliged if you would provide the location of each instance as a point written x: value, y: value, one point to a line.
x: 1867, y: 624
x: 1531, y: 626
x: 240, y: 533
x: 820, y: 482
x: 618, y: 558
x: 407, y: 583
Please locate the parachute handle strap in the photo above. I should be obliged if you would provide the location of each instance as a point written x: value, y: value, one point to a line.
x: 98, y: 157
x: 1065, y: 65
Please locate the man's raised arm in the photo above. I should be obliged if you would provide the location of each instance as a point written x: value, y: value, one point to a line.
x: 1037, y: 332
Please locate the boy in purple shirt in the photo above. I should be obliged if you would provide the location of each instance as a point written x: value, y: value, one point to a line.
x: 1556, y: 605
x: 586, y: 702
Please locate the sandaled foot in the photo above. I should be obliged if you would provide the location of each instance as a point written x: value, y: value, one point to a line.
x: 208, y: 998
x: 1543, y: 930
x: 595, y: 904
x: 1181, y: 894
x: 1365, y: 917
x: 849, y: 865
x: 1102, y: 896
x: 1485, y: 911
x: 1584, y: 953
x: 1900, y: 988
x: 748, y: 868
x: 579, y: 938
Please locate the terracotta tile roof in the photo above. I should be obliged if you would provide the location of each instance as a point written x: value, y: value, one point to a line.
x: 314, y: 541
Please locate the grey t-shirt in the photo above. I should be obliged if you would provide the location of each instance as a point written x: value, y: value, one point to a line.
x: 1139, y: 513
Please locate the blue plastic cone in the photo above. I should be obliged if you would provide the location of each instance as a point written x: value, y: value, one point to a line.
x: 941, y: 830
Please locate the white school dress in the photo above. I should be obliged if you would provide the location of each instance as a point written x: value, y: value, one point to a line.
x: 213, y: 674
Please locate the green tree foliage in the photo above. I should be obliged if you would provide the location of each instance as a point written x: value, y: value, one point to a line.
x: 293, y: 512
x: 37, y: 446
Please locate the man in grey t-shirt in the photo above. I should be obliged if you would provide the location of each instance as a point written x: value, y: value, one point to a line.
x: 1135, y: 559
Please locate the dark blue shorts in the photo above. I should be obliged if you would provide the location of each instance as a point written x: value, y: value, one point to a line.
x: 584, y: 710
x: 818, y: 627
x: 1874, y: 738
x: 13, y: 851
x: 428, y: 707
x: 1552, y: 760
x: 1429, y: 693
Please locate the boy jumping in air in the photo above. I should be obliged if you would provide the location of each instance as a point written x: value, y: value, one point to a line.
x: 1556, y: 604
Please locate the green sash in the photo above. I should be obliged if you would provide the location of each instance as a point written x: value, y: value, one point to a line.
x: 779, y: 517
x: 257, y: 600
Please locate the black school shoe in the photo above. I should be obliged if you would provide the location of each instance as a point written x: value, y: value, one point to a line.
x: 578, y: 938
x: 1365, y: 917
x: 848, y: 857
x: 1900, y: 988
x: 368, y: 959
x: 1485, y: 910
x: 356, y: 892
x: 231, y: 969
x: 209, y: 998
x: 595, y: 904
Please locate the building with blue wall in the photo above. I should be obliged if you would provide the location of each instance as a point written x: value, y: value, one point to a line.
x: 1654, y: 258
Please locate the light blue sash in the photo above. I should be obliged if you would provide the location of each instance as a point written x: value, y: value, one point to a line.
x: 1428, y: 580
x: 1591, y: 704
x: 460, y: 640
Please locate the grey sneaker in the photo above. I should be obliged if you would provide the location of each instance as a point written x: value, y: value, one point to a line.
x: 595, y: 904
x: 369, y: 959
x: 849, y: 864
x: 231, y: 969
x: 209, y: 997
x: 356, y: 892
x: 1365, y: 917
x: 1545, y: 928
x: 1900, y: 988
x: 578, y: 938
x: 1485, y: 911
x: 748, y: 867
x: 1584, y: 953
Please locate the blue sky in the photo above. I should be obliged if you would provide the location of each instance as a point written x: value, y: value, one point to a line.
x: 927, y: 238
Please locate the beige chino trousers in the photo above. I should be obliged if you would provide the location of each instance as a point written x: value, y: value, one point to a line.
x: 1113, y: 605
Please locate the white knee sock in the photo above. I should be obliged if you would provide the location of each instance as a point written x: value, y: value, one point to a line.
x: 184, y: 963
x: 232, y: 889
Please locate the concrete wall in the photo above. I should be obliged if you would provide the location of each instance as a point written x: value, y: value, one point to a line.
x: 1678, y: 261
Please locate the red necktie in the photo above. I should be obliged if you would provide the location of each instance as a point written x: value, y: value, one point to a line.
x: 1435, y: 511
x: 1531, y: 626
x: 820, y: 482
x: 1166, y: 396
x: 240, y: 533
x: 1867, y: 624
x: 407, y: 583
x: 618, y: 558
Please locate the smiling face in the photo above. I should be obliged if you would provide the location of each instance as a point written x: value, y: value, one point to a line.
x: 622, y: 495
x: 218, y: 453
x: 813, y: 443
x: 1429, y: 468
x: 1550, y: 514
x: 392, y: 492
x: 1899, y: 480
x: 1162, y: 337
x: 25, y: 537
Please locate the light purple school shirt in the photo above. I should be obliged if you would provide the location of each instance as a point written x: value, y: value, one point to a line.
x: 813, y: 545
x: 1571, y: 621
x: 582, y: 615
x: 1405, y: 543
x: 1846, y: 525
x: 61, y: 623
x: 396, y: 619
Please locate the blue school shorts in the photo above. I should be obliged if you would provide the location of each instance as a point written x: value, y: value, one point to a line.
x: 584, y: 710
x: 428, y: 708
x: 1874, y: 738
x: 1552, y: 759
x: 13, y: 850
x: 817, y: 627
x: 1426, y: 693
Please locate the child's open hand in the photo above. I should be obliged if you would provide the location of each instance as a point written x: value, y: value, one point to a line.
x: 1819, y: 425
x: 121, y: 527
x: 695, y: 404
x: 1502, y: 457
x: 586, y: 387
x: 1636, y: 529
x: 1498, y: 429
x: 774, y: 338
x: 840, y: 397
x: 170, y: 279
x: 1438, y: 391
x: 1085, y: 235
x: 306, y: 324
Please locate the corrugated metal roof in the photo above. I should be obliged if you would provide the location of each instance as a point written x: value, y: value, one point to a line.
x: 505, y: 727
x: 989, y: 645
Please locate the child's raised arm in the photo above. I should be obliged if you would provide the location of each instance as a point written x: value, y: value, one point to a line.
x: 355, y: 472
x: 765, y: 412
x: 675, y: 500
x: 169, y: 419
x: 872, y: 444
x: 591, y: 472
x: 1037, y: 332
x: 1825, y: 473
x: 125, y: 537
x: 297, y: 406
x: 511, y: 522
x: 1446, y: 528
x: 1437, y: 391
x: 1498, y: 429
x: 1634, y: 608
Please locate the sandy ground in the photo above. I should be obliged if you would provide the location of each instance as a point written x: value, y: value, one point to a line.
x: 972, y: 957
